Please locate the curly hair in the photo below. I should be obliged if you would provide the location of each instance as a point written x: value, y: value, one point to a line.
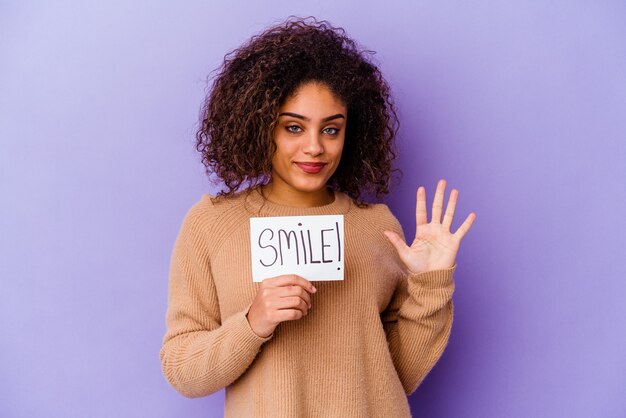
x: 240, y: 113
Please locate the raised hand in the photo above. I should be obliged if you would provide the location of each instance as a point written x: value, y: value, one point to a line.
x: 434, y: 246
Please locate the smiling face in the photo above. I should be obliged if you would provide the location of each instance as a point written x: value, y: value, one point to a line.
x: 309, y: 140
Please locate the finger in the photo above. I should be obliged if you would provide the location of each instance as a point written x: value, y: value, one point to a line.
x: 438, y: 201
x: 295, y: 290
x: 290, y: 279
x: 292, y: 302
x: 449, y: 215
x: 288, y: 315
x: 396, y: 241
x: 420, y: 207
x: 465, y: 226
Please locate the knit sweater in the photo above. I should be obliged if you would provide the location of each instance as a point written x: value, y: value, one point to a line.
x: 367, y: 342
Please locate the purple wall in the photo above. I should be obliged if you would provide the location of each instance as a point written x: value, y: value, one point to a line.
x: 522, y: 107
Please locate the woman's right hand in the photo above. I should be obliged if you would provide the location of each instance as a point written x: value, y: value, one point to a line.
x: 280, y: 298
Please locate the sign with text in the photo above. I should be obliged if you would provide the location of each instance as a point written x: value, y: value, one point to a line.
x: 309, y: 246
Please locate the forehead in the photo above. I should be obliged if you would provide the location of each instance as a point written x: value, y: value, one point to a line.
x: 313, y: 99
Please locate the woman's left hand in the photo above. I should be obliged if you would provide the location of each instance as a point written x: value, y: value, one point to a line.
x: 434, y: 247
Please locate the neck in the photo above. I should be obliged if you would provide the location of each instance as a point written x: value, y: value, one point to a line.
x: 288, y: 197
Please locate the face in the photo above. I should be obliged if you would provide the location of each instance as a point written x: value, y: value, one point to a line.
x: 309, y: 140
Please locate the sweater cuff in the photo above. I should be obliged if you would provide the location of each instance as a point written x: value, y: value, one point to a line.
x: 434, y: 278
x: 247, y: 331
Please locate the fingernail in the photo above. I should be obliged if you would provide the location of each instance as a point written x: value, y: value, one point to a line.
x: 314, y: 289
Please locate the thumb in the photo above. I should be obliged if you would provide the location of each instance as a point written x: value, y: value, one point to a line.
x: 396, y: 241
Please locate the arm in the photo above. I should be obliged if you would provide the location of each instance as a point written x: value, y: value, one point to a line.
x: 201, y: 354
x: 418, y: 321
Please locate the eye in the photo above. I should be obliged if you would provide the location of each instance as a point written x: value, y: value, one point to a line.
x: 331, y: 131
x: 293, y: 128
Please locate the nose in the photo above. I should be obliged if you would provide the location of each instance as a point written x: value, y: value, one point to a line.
x: 313, y: 145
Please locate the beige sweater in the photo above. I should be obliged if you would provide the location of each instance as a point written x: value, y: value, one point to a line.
x: 367, y: 341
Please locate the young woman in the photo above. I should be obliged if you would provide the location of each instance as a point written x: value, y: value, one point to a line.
x: 300, y: 122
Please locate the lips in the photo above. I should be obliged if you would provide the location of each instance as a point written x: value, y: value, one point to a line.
x: 311, y: 168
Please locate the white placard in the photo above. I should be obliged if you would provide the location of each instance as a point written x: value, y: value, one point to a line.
x: 309, y: 246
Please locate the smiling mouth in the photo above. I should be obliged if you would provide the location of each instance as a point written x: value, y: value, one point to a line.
x: 311, y: 168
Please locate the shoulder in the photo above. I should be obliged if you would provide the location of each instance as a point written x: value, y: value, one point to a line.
x: 209, y: 213
x: 201, y: 213
x: 376, y: 216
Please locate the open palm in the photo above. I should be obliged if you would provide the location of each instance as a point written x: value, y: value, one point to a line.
x: 434, y: 246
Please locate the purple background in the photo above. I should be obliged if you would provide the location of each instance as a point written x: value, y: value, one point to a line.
x: 521, y: 106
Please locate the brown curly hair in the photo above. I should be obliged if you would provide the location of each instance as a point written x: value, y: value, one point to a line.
x: 241, y: 111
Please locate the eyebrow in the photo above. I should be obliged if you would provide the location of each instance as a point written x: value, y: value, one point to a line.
x: 295, y: 115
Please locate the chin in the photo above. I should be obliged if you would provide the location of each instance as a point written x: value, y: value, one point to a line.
x: 309, y: 186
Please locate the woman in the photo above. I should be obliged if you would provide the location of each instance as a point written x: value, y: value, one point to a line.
x: 305, y: 121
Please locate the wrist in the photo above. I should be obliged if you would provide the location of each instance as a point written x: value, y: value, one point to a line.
x: 259, y: 334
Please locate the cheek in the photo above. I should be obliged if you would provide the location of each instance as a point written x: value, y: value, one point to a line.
x: 337, y: 147
x: 284, y: 152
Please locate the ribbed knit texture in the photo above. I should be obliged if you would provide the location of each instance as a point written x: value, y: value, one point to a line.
x: 367, y: 342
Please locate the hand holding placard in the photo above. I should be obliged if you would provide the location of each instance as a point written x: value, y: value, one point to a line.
x: 282, y: 298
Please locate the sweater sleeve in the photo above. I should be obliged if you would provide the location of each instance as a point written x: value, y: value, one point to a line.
x: 418, y: 321
x: 201, y: 354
